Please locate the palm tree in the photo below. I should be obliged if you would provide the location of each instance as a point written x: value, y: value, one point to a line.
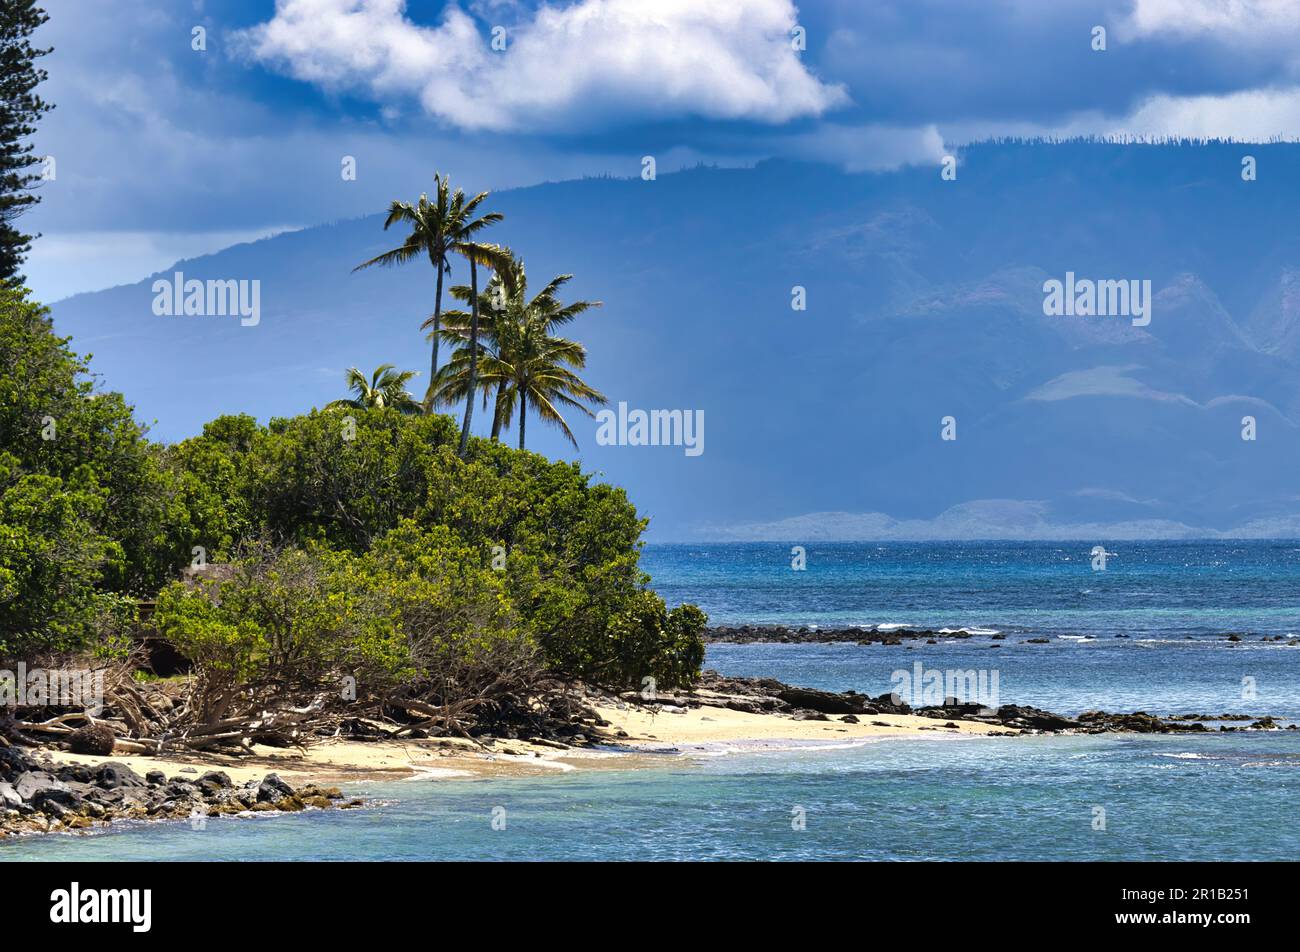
x: 439, y: 228
x: 493, y: 256
x: 522, y: 360
x: 457, y: 326
x: 385, y: 388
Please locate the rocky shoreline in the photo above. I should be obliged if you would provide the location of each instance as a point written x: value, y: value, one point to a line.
x: 40, y: 796
x: 769, y: 696
x: 889, y: 635
x: 783, y: 634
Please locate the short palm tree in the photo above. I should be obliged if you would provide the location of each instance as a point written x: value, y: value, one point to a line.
x: 522, y: 361
x: 456, y: 329
x: 439, y: 228
x: 385, y: 388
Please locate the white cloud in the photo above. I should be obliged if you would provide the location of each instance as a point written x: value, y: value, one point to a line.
x: 867, y: 148
x: 1256, y: 115
x: 1258, y: 19
x: 572, y: 67
x: 67, y: 263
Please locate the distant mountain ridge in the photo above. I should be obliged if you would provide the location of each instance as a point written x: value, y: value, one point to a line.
x: 924, y: 300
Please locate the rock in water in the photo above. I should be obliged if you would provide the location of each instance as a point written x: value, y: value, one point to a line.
x: 272, y: 789
x: 213, y: 782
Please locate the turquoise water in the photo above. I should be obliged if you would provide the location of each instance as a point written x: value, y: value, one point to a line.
x: 1216, y: 797
x: 1222, y: 797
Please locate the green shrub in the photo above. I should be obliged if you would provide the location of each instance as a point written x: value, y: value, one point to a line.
x: 419, y: 612
x: 571, y: 548
x: 277, y: 621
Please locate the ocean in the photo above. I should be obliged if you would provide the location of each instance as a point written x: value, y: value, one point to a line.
x: 1150, y: 632
x: 1223, y: 796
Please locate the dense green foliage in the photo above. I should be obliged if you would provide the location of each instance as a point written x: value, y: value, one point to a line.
x: 559, y: 552
x: 81, y: 506
x: 346, y: 540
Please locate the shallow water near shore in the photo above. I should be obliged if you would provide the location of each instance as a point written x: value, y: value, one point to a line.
x: 1175, y: 798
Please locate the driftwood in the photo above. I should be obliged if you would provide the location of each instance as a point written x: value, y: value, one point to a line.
x: 510, y: 689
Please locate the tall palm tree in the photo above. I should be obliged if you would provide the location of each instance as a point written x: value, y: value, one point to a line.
x: 385, y: 388
x: 439, y: 228
x: 522, y: 360
x: 493, y: 256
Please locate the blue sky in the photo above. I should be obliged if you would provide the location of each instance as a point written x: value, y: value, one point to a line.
x: 165, y: 152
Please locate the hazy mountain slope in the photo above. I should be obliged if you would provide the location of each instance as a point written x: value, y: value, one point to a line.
x: 924, y: 300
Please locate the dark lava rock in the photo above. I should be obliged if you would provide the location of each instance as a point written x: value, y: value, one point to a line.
x: 272, y: 789
x: 213, y: 782
x: 781, y: 634
x: 53, y: 801
x: 29, y: 784
x: 13, y: 763
x: 77, y: 773
x: 44, y: 797
x: 9, y: 799
x: 823, y: 702
x: 112, y: 776
x: 1031, y: 718
x: 1139, y: 722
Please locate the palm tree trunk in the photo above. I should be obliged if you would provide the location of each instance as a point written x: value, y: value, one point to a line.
x: 437, y: 321
x: 473, y: 357
x: 523, y: 416
x: 496, y: 413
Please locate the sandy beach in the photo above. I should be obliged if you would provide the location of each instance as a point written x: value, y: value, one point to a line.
x: 651, y: 731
